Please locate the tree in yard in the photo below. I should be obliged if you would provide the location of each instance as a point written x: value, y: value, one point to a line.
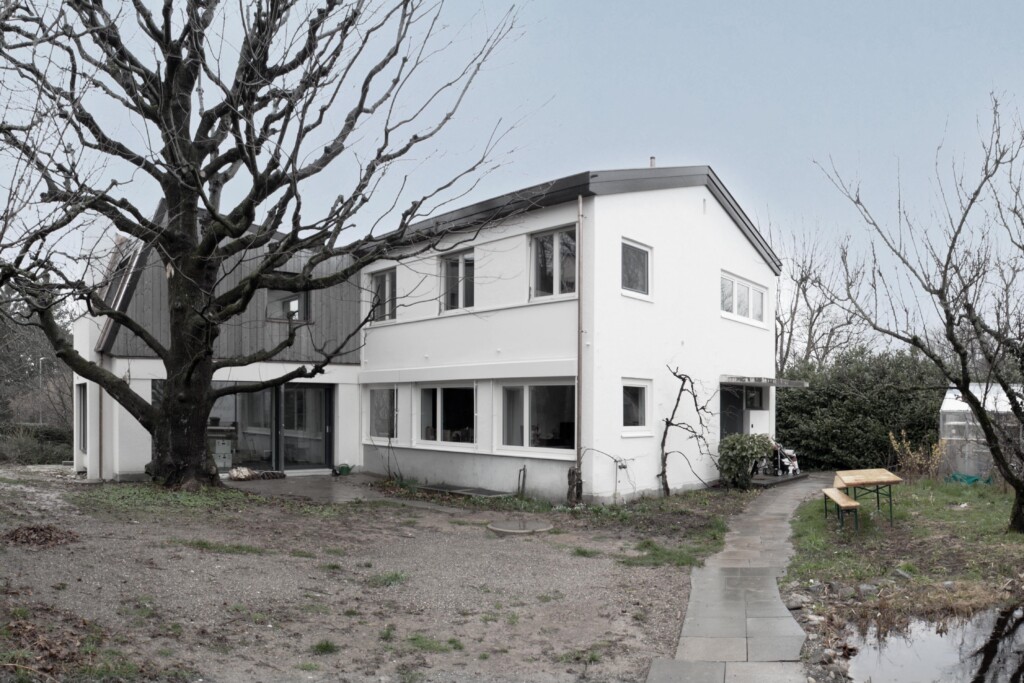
x: 954, y: 291
x: 236, y: 119
x: 810, y: 329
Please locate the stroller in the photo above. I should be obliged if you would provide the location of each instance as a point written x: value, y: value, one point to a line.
x: 781, y: 461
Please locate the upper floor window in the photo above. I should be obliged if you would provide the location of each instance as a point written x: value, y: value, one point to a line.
x: 636, y: 268
x: 554, y: 263
x: 283, y: 305
x: 457, y: 278
x: 742, y: 299
x: 384, y: 303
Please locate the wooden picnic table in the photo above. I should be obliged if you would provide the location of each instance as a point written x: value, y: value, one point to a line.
x: 865, y: 482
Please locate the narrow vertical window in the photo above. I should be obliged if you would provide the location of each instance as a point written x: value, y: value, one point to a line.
x: 634, y: 406
x: 83, y: 416
x: 554, y: 263
x: 458, y: 276
x: 512, y: 415
x: 726, y: 295
x: 382, y: 413
x: 742, y: 300
x: 385, y: 302
x: 428, y: 415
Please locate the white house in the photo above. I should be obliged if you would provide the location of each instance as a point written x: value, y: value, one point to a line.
x: 541, y: 331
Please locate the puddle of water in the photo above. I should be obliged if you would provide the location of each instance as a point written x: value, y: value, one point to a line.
x: 987, y: 649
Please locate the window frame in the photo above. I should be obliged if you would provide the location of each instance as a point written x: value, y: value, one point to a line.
x: 393, y: 390
x: 461, y: 297
x: 302, y: 315
x: 438, y: 415
x: 82, y: 391
x: 649, y: 264
x: 753, y: 290
x: 556, y: 263
x: 643, y: 429
x: 382, y: 311
x: 525, y: 385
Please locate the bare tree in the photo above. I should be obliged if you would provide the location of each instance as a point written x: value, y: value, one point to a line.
x: 809, y: 326
x: 228, y: 115
x: 696, y: 426
x: 954, y: 289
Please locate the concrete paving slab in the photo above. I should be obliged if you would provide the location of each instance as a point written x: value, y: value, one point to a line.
x: 775, y: 648
x: 696, y: 649
x: 764, y: 672
x: 736, y: 628
x: 768, y: 627
x: 716, y: 627
x: 675, y: 671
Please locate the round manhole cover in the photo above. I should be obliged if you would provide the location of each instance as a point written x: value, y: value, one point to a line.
x: 514, y: 527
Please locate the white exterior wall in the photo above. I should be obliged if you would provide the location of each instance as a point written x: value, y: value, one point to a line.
x: 505, y: 337
x: 692, y: 240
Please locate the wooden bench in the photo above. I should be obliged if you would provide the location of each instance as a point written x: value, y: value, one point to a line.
x: 843, y: 505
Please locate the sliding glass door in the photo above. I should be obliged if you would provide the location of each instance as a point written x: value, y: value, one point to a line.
x: 305, y: 426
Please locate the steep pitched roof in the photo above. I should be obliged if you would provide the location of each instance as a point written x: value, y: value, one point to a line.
x: 596, y: 183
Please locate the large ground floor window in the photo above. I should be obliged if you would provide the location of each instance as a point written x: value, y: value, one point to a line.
x: 283, y: 428
x: 448, y: 414
x: 539, y: 415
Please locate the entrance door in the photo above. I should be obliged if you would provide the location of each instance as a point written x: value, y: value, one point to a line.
x: 305, y: 426
x: 730, y: 410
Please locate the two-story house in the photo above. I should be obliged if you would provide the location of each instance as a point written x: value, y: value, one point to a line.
x: 542, y: 330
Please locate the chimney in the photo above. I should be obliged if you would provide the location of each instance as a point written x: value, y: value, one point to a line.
x: 653, y: 162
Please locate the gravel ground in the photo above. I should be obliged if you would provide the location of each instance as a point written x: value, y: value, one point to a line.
x: 404, y: 594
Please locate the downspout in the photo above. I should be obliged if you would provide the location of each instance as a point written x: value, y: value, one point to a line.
x: 577, y: 494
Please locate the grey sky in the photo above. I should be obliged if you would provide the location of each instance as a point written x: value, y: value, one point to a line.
x: 758, y: 90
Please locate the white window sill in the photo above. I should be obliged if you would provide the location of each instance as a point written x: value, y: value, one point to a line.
x: 637, y: 435
x: 638, y: 296
x: 452, y: 446
x: 543, y: 298
x: 745, y: 321
x: 567, y: 454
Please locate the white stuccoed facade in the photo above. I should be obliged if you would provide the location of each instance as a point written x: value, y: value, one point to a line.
x: 510, y: 338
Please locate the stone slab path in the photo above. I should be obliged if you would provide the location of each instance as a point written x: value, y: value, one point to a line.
x: 737, y: 630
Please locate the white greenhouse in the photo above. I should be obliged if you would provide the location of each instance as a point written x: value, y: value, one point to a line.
x: 964, y: 443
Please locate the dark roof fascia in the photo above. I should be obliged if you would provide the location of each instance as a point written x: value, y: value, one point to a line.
x: 593, y: 183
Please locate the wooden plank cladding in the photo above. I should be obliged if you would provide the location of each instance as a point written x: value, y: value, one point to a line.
x: 332, y: 314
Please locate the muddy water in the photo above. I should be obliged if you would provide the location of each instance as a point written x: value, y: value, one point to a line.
x: 987, y: 649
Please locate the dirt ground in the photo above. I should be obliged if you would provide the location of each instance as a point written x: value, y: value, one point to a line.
x: 279, y: 592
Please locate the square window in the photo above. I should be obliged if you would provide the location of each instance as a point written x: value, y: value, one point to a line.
x: 754, y: 398
x: 448, y: 414
x: 382, y: 288
x: 634, y: 406
x: 635, y: 269
x: 382, y: 413
x: 554, y: 263
x: 283, y: 305
x: 458, y: 273
x: 552, y: 416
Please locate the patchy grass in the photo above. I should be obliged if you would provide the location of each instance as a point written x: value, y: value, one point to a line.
x: 330, y: 567
x: 325, y: 647
x: 309, y: 666
x: 591, y: 655
x: 689, y: 554
x: 387, y: 634
x: 137, y: 500
x: 425, y: 643
x: 302, y: 553
x: 386, y: 579
x: 215, y: 547
x: 585, y: 552
x: 950, y: 539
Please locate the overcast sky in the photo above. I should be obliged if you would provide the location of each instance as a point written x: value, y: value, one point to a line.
x: 757, y: 90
